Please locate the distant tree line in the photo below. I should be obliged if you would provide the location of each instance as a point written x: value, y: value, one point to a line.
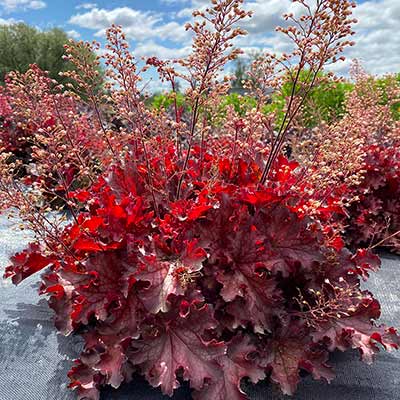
x: 22, y: 45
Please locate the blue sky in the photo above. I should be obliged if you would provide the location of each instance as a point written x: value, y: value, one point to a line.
x: 155, y: 27
x: 46, y: 14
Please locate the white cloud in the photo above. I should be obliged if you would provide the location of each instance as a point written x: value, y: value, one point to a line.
x: 266, y: 18
x: 175, y: 1
x: 8, y: 21
x: 378, y: 13
x: 172, y: 31
x: 137, y: 25
x: 194, y: 5
x: 377, y: 38
x: 17, y: 5
x: 86, y: 6
x: 150, y: 48
x: 73, y: 34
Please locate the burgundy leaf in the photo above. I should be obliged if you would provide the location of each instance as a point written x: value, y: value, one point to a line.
x: 234, y: 366
x: 285, y: 360
x: 27, y: 263
x: 176, y: 345
x: 358, y: 331
x: 163, y: 281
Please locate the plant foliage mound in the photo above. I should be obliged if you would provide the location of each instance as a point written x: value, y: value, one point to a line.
x: 374, y: 219
x: 374, y: 213
x: 227, y: 283
x: 199, y: 252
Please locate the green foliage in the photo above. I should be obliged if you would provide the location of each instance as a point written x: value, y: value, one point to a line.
x: 166, y: 100
x: 325, y: 102
x: 390, y: 81
x: 22, y: 45
x: 240, y: 103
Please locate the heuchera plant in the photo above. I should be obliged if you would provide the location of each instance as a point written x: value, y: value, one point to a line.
x: 230, y: 282
x: 200, y: 253
x: 374, y: 219
x: 373, y: 214
x: 363, y: 149
x: 46, y: 138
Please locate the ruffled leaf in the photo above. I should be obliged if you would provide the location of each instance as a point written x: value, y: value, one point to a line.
x: 170, y: 346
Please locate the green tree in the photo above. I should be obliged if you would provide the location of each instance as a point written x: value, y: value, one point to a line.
x: 390, y: 82
x: 22, y: 45
x: 325, y: 102
x: 241, y: 67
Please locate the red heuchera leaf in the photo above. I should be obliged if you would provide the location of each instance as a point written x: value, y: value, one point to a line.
x: 80, y: 195
x: 173, y: 345
x: 83, y: 380
x: 27, y: 263
x: 105, y: 356
x: 170, y: 277
x: 259, y: 198
x: 102, y: 362
x: 237, y: 364
x: 87, y: 244
x: 92, y: 224
x: 290, y: 241
x: 125, y: 319
x: 193, y: 255
x: 358, y: 331
x: 285, y: 168
x: 163, y: 281
x: 365, y: 261
x: 60, y: 301
x: 280, y: 241
x: 374, y: 218
x: 258, y: 299
x: 291, y: 350
x: 285, y: 361
x: 245, y: 282
x: 316, y: 363
x: 96, y: 286
x: 197, y: 212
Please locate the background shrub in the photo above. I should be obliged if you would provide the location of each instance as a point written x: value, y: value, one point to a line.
x: 22, y: 45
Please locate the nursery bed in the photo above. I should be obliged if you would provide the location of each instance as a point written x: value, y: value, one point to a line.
x: 34, y: 359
